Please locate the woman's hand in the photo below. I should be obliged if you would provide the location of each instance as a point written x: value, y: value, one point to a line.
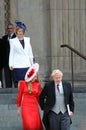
x: 11, y: 68
x: 19, y: 111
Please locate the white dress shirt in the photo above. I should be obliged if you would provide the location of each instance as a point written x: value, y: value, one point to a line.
x: 60, y: 88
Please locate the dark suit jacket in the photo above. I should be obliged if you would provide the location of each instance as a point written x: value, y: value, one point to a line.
x: 6, y: 49
x: 1, y: 55
x: 47, y: 98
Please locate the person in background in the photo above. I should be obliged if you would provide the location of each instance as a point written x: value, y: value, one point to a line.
x: 28, y: 99
x: 21, y: 55
x: 1, y: 63
x: 5, y: 54
x: 56, y: 99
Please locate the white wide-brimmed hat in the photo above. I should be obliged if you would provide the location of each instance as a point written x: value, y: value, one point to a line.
x: 31, y: 72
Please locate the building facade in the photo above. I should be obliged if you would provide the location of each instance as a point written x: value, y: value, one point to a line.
x: 50, y: 24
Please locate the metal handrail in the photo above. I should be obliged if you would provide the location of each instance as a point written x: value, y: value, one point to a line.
x: 76, y: 52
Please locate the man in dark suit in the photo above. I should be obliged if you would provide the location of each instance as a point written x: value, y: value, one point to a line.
x: 5, y: 52
x: 1, y: 62
x: 56, y: 100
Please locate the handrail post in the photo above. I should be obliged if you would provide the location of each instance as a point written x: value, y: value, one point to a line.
x: 72, y: 73
x: 76, y: 52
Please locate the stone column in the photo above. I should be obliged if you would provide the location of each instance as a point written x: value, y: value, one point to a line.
x: 59, y: 34
x: 13, y: 10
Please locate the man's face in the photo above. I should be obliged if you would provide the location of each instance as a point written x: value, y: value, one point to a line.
x: 57, y: 78
x: 10, y: 29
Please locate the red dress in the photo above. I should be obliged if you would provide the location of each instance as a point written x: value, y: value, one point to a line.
x: 29, y: 105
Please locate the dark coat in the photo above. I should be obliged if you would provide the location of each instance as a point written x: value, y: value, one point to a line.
x: 6, y: 49
x: 1, y: 55
x: 47, y: 98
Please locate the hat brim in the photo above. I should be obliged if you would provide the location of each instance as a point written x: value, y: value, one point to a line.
x: 36, y: 68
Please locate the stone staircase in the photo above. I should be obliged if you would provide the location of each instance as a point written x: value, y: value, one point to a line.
x: 79, y: 118
x: 9, y: 120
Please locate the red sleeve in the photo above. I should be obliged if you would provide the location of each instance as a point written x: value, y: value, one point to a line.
x: 20, y: 93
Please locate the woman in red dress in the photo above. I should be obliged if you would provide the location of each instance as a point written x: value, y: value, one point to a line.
x: 28, y: 99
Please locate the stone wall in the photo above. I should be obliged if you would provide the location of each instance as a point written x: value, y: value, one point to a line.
x: 51, y: 23
x: 2, y: 18
x: 36, y: 15
x: 68, y: 26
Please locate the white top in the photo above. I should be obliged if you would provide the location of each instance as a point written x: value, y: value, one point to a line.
x: 20, y: 57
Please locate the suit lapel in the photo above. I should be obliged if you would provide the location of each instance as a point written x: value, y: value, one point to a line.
x: 13, y: 36
x: 64, y: 88
x: 53, y: 88
x: 18, y: 44
x: 25, y: 45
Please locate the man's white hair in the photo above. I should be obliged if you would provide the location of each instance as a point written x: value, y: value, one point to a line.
x: 57, y: 71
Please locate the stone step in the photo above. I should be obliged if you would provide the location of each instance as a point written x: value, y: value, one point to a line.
x: 8, y: 98
x: 9, y: 120
x: 78, y: 89
x: 10, y: 128
x: 8, y: 90
x: 80, y: 111
x: 8, y: 95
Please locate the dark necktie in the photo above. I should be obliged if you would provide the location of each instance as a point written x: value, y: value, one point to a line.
x: 9, y: 36
x: 58, y: 87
